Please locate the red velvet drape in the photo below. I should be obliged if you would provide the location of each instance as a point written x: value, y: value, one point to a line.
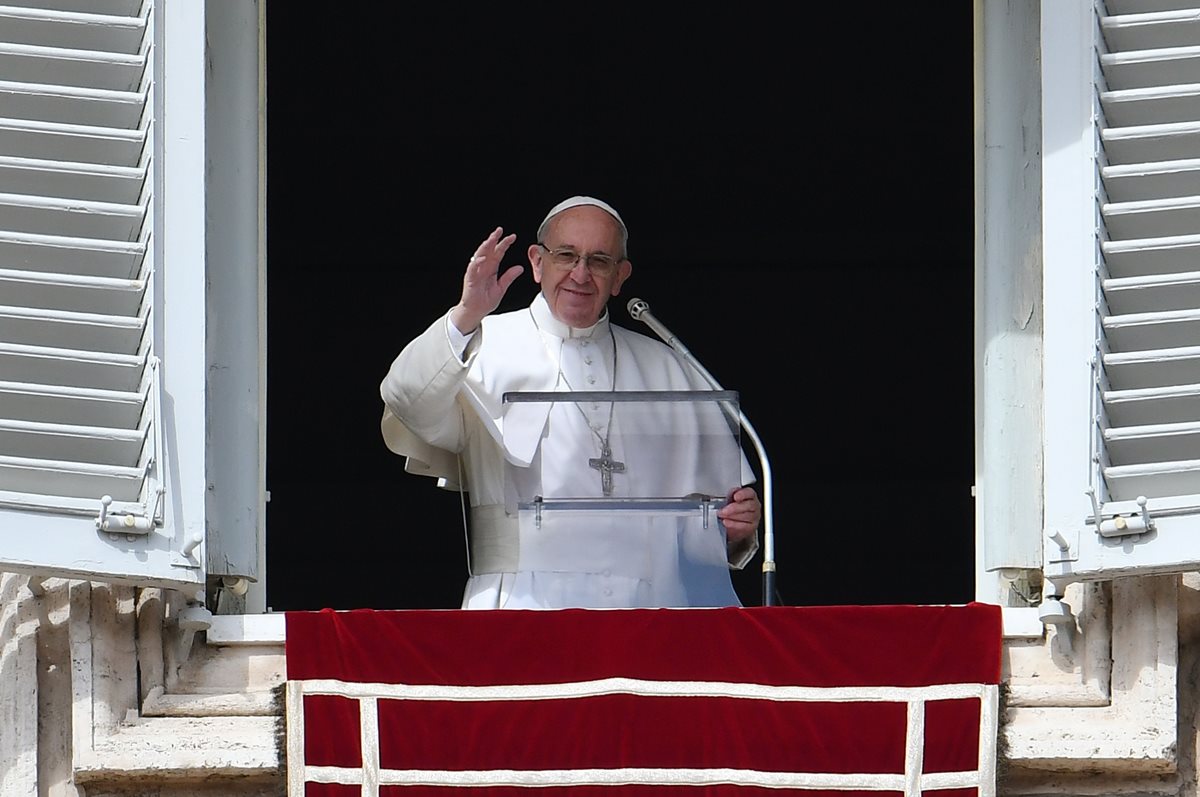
x: 674, y: 701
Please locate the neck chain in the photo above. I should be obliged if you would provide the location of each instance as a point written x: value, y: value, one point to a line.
x: 605, y: 462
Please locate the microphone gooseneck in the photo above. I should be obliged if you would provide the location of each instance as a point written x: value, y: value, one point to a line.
x: 639, y: 310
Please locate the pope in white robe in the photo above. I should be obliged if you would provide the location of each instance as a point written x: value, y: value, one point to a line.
x: 445, y: 410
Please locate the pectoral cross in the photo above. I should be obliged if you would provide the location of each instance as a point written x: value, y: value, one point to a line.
x: 607, y: 467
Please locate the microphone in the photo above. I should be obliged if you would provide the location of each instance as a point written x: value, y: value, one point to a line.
x: 639, y: 310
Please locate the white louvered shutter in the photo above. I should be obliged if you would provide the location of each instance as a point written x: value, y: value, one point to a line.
x: 81, y: 421
x: 1141, y: 291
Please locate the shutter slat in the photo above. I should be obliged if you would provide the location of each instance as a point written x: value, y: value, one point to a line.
x: 84, y: 68
x: 1152, y: 368
x: 56, y: 141
x: 94, y: 445
x: 1153, y: 443
x: 30, y: 479
x: 69, y: 104
x: 71, y: 29
x: 72, y: 292
x: 1139, y: 181
x: 1121, y: 7
x: 98, y: 445
x: 1143, y: 68
x: 1153, y: 142
x: 86, y: 181
x: 1157, y: 29
x: 58, y: 253
x: 71, y: 367
x: 70, y: 217
x: 124, y: 8
x: 74, y: 280
x: 22, y: 401
x: 63, y: 329
x: 1144, y: 406
x: 1146, y: 218
x: 1161, y: 329
x: 1129, y: 295
x: 1150, y: 105
x: 1171, y: 254
x: 111, y: 484
x: 1154, y: 479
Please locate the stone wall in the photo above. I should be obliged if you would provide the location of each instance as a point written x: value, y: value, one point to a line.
x: 104, y: 692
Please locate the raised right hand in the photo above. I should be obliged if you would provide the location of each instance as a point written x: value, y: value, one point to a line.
x: 483, y: 284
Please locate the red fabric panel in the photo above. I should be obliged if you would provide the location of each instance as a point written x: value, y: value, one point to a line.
x: 339, y: 742
x: 951, y: 735
x: 774, y: 645
x: 634, y: 731
x: 338, y: 790
x: 636, y: 791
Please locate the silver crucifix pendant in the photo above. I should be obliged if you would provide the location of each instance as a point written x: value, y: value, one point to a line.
x: 607, y: 467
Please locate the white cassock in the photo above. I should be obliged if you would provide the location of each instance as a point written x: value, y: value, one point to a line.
x: 444, y: 411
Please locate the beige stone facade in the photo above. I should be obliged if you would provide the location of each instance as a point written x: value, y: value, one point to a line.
x: 104, y: 693
x: 108, y: 695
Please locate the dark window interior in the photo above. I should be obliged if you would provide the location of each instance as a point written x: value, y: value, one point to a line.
x: 798, y: 187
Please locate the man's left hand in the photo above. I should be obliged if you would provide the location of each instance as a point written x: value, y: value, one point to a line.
x: 742, y: 514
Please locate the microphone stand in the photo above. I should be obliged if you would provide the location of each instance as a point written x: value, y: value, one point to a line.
x: 640, y: 311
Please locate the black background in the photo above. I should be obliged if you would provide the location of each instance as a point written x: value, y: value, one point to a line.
x: 798, y: 188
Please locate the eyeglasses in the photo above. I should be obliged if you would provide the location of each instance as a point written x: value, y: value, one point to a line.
x: 564, y: 259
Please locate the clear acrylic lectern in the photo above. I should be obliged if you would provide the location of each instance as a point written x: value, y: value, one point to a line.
x: 619, y: 504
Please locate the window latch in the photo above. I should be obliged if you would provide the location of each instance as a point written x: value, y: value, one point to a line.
x: 1132, y: 524
x: 113, y: 523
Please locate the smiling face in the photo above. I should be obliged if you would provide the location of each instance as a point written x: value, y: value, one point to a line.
x: 577, y: 295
